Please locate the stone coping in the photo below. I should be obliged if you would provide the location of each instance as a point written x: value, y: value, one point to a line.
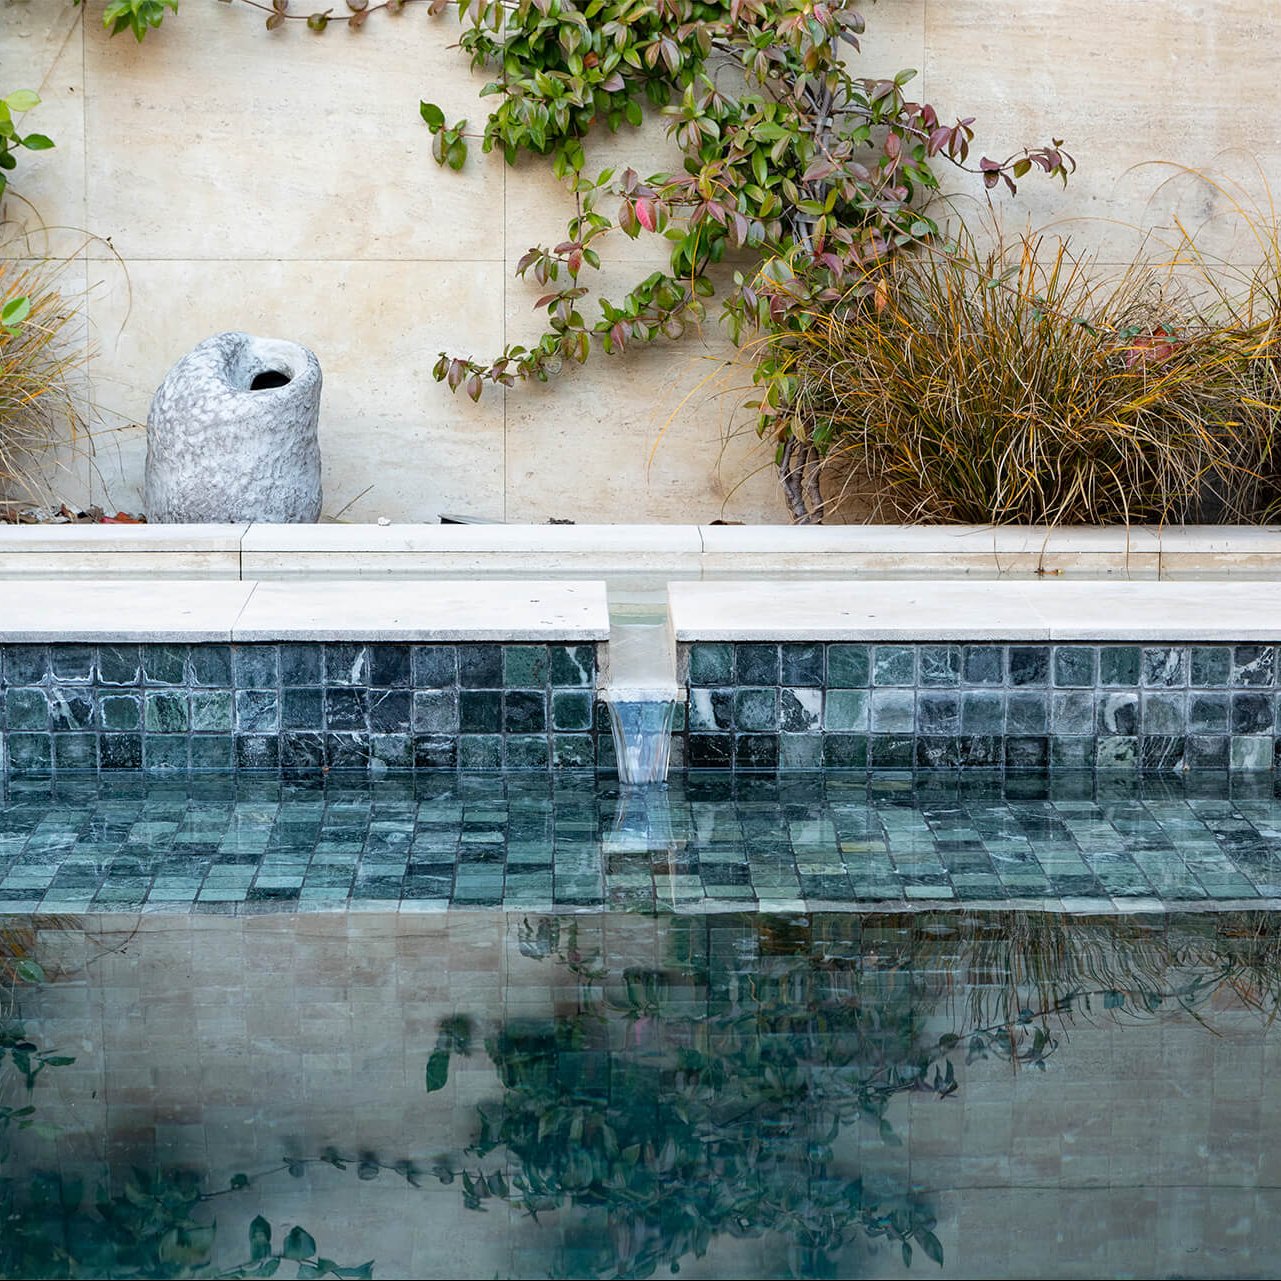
x: 892, y: 551
x: 67, y: 610
x: 951, y: 610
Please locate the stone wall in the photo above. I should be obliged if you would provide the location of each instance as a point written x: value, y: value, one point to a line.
x: 282, y: 184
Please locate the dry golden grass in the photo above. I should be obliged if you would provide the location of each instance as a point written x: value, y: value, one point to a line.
x: 38, y: 362
x: 1025, y: 385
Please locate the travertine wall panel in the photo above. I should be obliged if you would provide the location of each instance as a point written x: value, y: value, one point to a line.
x: 282, y: 183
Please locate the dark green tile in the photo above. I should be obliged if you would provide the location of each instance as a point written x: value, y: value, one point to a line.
x: 211, y: 751
x: 435, y: 666
x: 573, y: 666
x: 1075, y: 666
x: 802, y: 665
x: 210, y: 665
x: 1119, y: 665
x: 165, y: 752
x: 164, y: 664
x: 26, y: 709
x: 711, y: 663
x: 26, y: 664
x: 845, y: 710
x: 894, y: 665
x: 166, y: 713
x: 302, y: 709
x: 756, y: 664
x: 480, y: 666
x: 75, y: 751
x: 571, y: 709
x: 120, y: 751
x: 390, y: 710
x: 573, y: 751
x: 301, y: 663
x: 345, y: 664
x: 526, y: 751
x: 257, y: 711
x: 30, y: 752
x: 120, y: 711
x: 848, y: 667
x: 71, y: 663
x: 119, y: 665
x: 524, y: 666
x: 480, y: 751
x: 524, y: 711
x: 756, y: 710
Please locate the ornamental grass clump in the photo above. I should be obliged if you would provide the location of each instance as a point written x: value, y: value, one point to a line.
x: 39, y: 357
x: 1027, y: 385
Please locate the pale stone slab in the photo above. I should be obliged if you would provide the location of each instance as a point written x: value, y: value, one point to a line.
x: 111, y: 551
x: 903, y: 551
x: 1175, y: 611
x: 358, y: 550
x: 921, y: 610
x: 100, y: 539
x: 48, y: 611
x: 442, y: 610
x: 854, y: 610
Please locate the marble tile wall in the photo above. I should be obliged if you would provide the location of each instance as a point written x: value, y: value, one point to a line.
x: 296, y: 707
x: 1079, y: 706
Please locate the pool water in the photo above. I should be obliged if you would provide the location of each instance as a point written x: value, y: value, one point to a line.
x: 708, y: 842
x: 885, y: 1027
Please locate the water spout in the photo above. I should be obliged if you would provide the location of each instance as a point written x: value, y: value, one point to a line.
x: 640, y: 691
x: 641, y: 720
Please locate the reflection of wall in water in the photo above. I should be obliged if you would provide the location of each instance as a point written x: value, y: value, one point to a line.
x: 223, y: 1043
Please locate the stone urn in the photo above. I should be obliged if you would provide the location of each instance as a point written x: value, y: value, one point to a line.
x: 231, y: 435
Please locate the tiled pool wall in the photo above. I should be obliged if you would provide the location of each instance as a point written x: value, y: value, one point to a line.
x: 300, y: 706
x: 1094, y: 706
x: 750, y: 706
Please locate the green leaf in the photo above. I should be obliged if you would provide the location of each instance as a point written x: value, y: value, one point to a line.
x: 37, y: 142
x: 432, y: 114
x: 299, y: 1244
x: 259, y: 1238
x: 14, y: 312
x: 932, y: 1246
x: 437, y: 1070
x: 239, y: 1181
x: 22, y: 100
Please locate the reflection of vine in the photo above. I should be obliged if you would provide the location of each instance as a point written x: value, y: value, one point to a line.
x: 151, y: 1228
x: 673, y: 1106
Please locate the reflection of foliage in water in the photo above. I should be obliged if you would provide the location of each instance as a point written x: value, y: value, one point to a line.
x: 153, y: 1227
x: 707, y: 1097
x: 673, y: 1106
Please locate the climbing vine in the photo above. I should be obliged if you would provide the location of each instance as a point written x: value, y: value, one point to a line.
x: 797, y: 177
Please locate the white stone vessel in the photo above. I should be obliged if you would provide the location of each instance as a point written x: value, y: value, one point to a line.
x: 232, y: 434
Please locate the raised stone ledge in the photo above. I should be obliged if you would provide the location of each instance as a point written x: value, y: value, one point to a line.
x: 67, y: 610
x: 886, y: 551
x: 950, y: 610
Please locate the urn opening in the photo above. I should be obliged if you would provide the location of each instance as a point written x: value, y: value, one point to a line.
x: 266, y: 379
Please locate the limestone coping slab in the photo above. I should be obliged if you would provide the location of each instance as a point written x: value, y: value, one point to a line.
x: 125, y: 610
x: 959, y: 610
x: 417, y: 610
x: 129, y: 610
x: 419, y: 550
